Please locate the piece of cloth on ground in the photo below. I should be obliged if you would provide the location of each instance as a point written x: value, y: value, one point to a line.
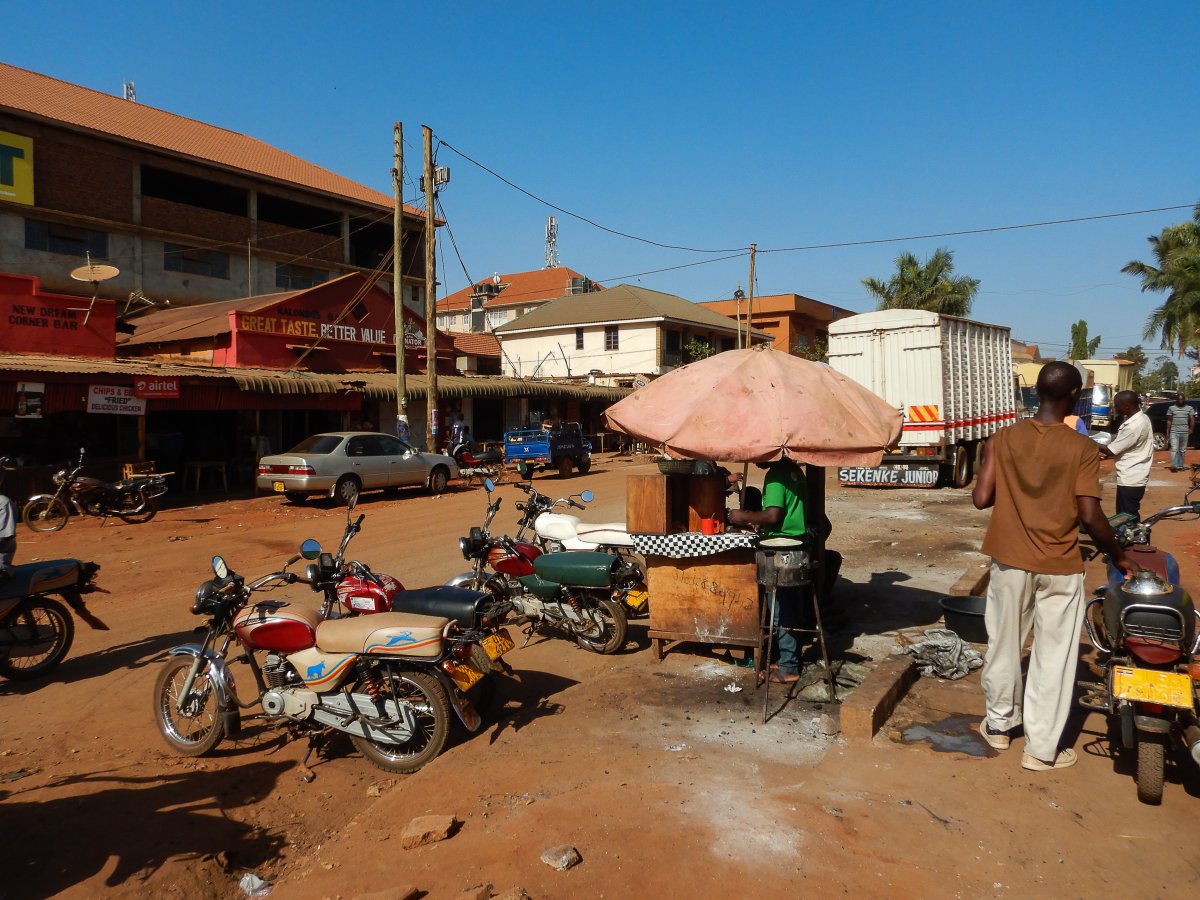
x: 943, y: 654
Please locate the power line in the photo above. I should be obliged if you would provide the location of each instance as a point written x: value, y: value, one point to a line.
x: 703, y: 262
x: 581, y: 218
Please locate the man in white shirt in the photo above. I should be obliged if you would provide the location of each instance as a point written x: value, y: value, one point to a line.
x: 1133, y: 449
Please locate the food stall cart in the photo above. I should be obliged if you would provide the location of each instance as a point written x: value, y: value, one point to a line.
x: 754, y: 405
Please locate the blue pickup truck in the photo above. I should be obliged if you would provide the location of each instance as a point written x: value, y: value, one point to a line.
x: 563, y: 447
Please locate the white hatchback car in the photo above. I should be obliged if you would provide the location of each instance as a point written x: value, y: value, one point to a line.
x: 342, y: 464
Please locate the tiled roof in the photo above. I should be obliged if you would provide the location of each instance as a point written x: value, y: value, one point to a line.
x: 476, y: 345
x: 622, y: 303
x: 778, y: 304
x: 519, y: 288
x: 39, y: 95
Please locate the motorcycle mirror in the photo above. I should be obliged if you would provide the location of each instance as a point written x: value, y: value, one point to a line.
x: 488, y: 485
x: 310, y: 549
x: 219, y: 568
x: 586, y: 496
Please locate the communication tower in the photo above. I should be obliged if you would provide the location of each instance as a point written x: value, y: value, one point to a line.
x: 551, y: 242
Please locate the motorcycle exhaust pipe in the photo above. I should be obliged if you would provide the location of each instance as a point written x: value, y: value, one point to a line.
x: 1191, y: 737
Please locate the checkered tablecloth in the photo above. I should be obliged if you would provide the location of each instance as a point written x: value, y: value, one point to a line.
x: 690, y: 543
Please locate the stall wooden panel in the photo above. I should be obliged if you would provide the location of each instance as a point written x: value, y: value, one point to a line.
x: 706, y: 600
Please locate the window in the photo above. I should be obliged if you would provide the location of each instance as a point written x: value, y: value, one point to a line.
x: 66, y: 239
x: 611, y: 341
x: 578, y: 338
x: 674, y: 342
x: 194, y: 261
x: 193, y: 191
x: 295, y: 278
x: 496, y: 317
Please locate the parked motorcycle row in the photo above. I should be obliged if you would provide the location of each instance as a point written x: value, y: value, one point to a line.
x: 133, y: 500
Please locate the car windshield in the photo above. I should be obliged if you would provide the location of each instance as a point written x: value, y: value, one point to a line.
x: 1100, y: 394
x: 318, y: 444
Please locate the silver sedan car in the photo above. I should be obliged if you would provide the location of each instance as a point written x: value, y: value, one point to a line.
x: 341, y: 464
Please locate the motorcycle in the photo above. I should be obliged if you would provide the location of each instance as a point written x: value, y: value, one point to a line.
x: 489, y: 464
x: 36, y: 630
x: 133, y: 500
x: 388, y: 680
x: 352, y: 588
x: 558, y: 531
x: 579, y: 593
x: 1145, y: 630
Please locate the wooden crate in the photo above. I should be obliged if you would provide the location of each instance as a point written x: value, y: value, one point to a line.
x: 709, y: 600
x: 656, y: 503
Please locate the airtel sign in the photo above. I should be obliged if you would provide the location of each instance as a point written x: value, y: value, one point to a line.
x: 156, y: 388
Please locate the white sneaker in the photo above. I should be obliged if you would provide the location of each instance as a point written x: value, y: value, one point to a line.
x: 997, y: 740
x: 1064, y: 760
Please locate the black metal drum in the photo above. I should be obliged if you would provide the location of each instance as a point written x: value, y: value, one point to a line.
x: 783, y: 562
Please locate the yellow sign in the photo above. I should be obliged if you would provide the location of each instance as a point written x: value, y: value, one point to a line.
x: 16, y: 168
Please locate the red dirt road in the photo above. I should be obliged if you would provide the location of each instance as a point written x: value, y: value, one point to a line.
x: 667, y: 783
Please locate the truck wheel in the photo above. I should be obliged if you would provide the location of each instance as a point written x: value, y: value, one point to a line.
x: 960, y: 469
x: 584, y: 465
x: 564, y: 467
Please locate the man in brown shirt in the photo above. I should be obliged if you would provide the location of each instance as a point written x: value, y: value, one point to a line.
x: 1040, y: 479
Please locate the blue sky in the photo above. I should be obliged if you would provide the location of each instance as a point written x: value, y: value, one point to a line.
x: 712, y: 126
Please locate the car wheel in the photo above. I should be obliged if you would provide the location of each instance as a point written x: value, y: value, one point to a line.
x: 1160, y: 441
x: 438, y: 479
x: 346, y: 490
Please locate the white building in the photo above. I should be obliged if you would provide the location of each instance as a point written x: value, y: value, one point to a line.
x: 623, y: 331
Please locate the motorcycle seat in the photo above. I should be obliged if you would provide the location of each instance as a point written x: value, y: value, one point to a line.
x: 399, y: 633
x: 608, y: 534
x: 41, y: 577
x: 457, y: 604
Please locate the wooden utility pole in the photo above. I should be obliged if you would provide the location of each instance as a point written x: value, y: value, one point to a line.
x: 431, y: 394
x: 750, y: 300
x: 397, y: 266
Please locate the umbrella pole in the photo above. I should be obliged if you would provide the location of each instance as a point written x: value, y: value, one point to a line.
x: 766, y: 660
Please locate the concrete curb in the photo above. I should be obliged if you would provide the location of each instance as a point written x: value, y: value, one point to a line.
x: 873, y: 702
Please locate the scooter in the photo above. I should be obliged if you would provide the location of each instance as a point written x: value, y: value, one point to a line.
x: 580, y: 593
x: 1145, y: 630
x: 36, y: 630
x: 557, y: 531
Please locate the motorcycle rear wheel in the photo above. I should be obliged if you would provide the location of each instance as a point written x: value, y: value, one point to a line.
x: 46, y: 623
x: 1150, y: 762
x: 431, y: 708
x: 46, y: 514
x: 145, y: 514
x: 197, y: 731
x: 609, y: 629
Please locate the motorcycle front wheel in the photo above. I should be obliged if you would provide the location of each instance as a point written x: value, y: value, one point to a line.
x: 1150, y: 762
x: 608, y: 626
x: 42, y: 631
x: 46, y: 514
x: 196, y: 729
x: 144, y: 512
x: 430, y: 707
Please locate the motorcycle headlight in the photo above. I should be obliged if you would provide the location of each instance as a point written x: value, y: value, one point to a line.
x: 60, y: 476
x: 464, y: 547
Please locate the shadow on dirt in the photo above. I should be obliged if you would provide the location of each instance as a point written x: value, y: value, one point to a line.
x: 141, y: 821
x: 131, y: 655
x: 525, y: 698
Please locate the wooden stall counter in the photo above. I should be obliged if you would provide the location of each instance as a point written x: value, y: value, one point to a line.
x: 703, y: 589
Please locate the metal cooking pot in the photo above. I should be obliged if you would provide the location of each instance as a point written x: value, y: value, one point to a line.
x: 783, y: 562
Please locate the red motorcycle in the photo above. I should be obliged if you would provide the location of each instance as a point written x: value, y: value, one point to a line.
x: 133, y: 500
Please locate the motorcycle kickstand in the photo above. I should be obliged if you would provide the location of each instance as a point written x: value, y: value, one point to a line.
x: 529, y: 634
x: 316, y: 743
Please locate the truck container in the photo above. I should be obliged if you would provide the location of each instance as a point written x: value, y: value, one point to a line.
x: 950, y: 378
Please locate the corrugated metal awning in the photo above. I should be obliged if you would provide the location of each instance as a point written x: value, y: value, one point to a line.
x: 382, y: 386
x: 280, y: 383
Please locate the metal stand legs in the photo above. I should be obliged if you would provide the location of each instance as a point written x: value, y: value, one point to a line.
x: 819, y: 631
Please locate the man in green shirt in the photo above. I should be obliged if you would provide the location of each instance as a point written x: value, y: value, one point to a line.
x: 784, y: 497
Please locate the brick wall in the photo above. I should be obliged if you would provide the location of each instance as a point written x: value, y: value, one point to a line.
x: 282, y: 239
x: 203, y: 223
x: 84, y: 181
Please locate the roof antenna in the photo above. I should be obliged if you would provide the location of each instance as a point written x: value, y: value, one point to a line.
x: 551, y: 242
x: 128, y: 92
x: 95, y: 274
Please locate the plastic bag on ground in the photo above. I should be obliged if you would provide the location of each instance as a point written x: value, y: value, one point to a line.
x: 943, y: 654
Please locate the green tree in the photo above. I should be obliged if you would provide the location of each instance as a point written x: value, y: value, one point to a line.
x: 814, y: 351
x: 931, y: 285
x: 1176, y: 273
x: 1137, y: 356
x: 696, y: 349
x: 1081, y: 347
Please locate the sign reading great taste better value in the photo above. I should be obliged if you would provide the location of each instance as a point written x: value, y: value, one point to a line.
x: 104, y: 398
x: 308, y: 328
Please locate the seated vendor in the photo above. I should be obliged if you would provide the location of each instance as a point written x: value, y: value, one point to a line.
x: 784, y: 496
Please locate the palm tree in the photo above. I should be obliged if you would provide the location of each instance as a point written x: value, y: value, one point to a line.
x: 1177, y: 253
x: 931, y: 285
x: 1081, y: 346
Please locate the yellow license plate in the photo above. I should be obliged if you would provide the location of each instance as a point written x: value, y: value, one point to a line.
x: 278, y: 486
x: 1148, y: 686
x: 496, y: 645
x: 465, y: 675
x: 634, y: 599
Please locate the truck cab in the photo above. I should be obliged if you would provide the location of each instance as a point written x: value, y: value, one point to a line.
x: 562, y: 446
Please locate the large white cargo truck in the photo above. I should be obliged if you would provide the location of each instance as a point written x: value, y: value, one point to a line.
x: 950, y: 378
